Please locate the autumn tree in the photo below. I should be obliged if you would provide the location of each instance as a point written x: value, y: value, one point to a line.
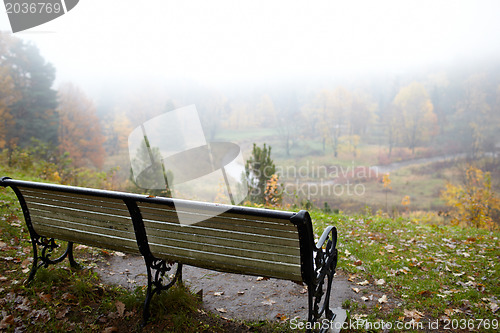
x: 474, y: 203
x: 212, y: 109
x: 263, y: 109
x: 416, y: 117
x: 474, y: 117
x: 393, y: 129
x: 360, y: 115
x: 116, y: 129
x: 438, y: 84
x: 287, y: 117
x: 333, y: 109
x: 80, y: 132
x: 33, y: 111
x: 8, y: 93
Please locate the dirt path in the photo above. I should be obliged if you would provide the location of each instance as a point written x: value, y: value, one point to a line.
x: 230, y: 295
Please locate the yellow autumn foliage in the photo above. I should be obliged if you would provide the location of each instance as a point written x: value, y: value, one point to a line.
x: 474, y: 203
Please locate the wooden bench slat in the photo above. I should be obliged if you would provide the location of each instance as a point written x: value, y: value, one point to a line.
x: 254, y: 226
x: 84, y: 217
x: 231, y: 250
x: 82, y: 224
x: 229, y: 239
x: 208, y: 209
x: 127, y: 245
x: 67, y: 195
x: 169, y: 213
x: 266, y: 236
x: 115, y: 206
x: 228, y: 263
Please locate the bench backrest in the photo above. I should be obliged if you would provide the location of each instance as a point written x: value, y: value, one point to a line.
x: 233, y: 242
x: 82, y: 219
x: 239, y: 239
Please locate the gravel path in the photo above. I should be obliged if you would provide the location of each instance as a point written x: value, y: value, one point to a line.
x: 230, y: 295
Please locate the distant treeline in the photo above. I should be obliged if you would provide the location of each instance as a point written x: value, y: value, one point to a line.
x: 452, y: 109
x: 31, y: 110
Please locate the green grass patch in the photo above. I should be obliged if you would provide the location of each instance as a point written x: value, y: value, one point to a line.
x: 443, y: 272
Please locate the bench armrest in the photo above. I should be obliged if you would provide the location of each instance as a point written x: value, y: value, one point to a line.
x: 325, y: 257
x: 324, y: 237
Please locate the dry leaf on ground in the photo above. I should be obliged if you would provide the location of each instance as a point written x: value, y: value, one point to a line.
x: 382, y: 299
x: 120, y: 308
x: 268, y: 302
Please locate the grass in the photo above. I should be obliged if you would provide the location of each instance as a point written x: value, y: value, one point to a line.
x: 429, y: 272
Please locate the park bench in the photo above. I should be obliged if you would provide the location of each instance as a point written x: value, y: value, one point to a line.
x: 234, y: 239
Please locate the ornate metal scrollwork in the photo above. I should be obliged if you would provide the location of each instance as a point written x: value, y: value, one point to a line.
x: 158, y: 280
x: 48, y: 245
x: 325, y: 262
x: 161, y: 268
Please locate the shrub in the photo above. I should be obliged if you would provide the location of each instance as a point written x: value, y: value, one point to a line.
x: 473, y: 204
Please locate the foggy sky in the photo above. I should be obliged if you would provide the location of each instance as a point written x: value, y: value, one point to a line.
x: 223, y: 42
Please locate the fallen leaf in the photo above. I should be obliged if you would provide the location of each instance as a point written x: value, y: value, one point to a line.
x: 6, y: 321
x: 268, y: 302
x: 110, y: 329
x: 347, y: 253
x: 281, y: 317
x: 241, y: 293
x: 61, y: 314
x: 119, y: 254
x: 120, y: 307
x: 494, y: 307
x: 356, y: 290
x: 68, y: 297
x: 364, y: 283
x: 42, y: 315
x: 358, y: 263
x: 449, y: 312
x: 425, y: 293
x: 382, y: 299
x: 260, y: 278
x: 380, y: 282
x: 363, y: 298
x: 413, y: 314
x: 303, y: 291
x: 218, y: 293
x: 221, y: 310
x: 2, y: 245
x: 25, y: 263
x: 45, y: 297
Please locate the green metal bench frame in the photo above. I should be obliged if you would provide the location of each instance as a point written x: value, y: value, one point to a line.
x: 273, y: 243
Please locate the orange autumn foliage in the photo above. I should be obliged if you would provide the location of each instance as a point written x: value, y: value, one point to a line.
x: 80, y: 133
